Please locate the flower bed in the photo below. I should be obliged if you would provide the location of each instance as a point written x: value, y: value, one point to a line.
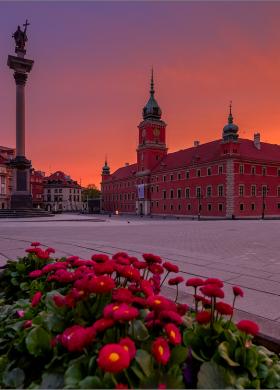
x: 103, y: 323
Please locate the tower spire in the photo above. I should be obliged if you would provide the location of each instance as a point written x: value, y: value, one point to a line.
x: 152, y: 110
x: 230, y: 117
x: 152, y: 91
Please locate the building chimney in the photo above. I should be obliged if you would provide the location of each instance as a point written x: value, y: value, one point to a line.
x: 257, y: 140
x: 196, y: 143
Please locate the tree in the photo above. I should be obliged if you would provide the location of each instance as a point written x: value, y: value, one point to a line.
x: 91, y: 192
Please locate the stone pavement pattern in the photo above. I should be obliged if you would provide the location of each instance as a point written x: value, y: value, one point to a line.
x: 244, y: 253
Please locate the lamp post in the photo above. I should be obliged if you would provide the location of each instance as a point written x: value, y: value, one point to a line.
x: 264, y: 191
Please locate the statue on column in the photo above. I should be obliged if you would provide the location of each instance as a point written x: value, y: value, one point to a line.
x: 20, y: 38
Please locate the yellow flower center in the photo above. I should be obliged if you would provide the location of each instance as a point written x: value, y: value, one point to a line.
x: 157, y: 301
x: 172, y: 334
x: 125, y: 347
x: 114, y: 357
x: 115, y: 307
x: 101, y: 283
x: 160, y: 350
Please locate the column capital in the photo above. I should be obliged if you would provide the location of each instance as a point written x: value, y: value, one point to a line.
x: 20, y: 78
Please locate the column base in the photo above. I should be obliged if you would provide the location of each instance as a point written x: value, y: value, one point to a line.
x: 21, y: 201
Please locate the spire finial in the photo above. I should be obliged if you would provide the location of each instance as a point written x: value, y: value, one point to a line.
x: 152, y: 91
x: 230, y: 117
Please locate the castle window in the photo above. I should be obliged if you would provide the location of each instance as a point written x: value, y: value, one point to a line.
x: 157, y: 157
x: 179, y: 176
x: 253, y: 206
x: 164, y: 194
x: 179, y: 192
x: 157, y: 178
x: 198, y: 192
x: 278, y: 191
x: 189, y: 207
x: 187, y: 174
x: 171, y: 177
x: 164, y: 178
x: 198, y: 173
x: 179, y: 207
x: 241, y: 190
x: 209, y: 207
x: 241, y: 169
x: 209, y: 191
x: 263, y: 171
x: 253, y: 170
x: 187, y: 193
x: 171, y: 207
x: 152, y: 189
x: 157, y: 188
x: 241, y: 207
x: 171, y: 194
x: 208, y: 171
x: 278, y: 205
x: 220, y: 207
x: 157, y: 204
x: 264, y: 190
x: 253, y: 190
x: 278, y: 171
x: 164, y: 207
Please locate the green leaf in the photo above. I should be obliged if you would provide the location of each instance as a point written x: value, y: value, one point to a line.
x: 197, y: 357
x: 24, y: 286
x: 145, y: 361
x: 76, y: 372
x: 137, y: 371
x: 262, y: 371
x: 38, y: 341
x: 90, y: 382
x: 175, y: 378
x: 178, y: 355
x: 213, y: 376
x: 52, y: 380
x: 223, y: 350
x: 14, y: 282
x: 14, y: 378
x: 138, y: 331
x: 20, y: 267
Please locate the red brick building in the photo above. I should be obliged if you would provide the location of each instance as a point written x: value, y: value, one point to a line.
x: 228, y: 177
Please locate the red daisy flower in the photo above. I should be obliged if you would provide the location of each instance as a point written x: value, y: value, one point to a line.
x: 158, y: 303
x: 195, y: 282
x: 125, y: 313
x: 203, y: 317
x: 76, y: 338
x: 173, y: 333
x: 237, y: 291
x: 224, y: 308
x: 249, y: 327
x: 120, y: 254
x: 182, y: 309
x: 156, y: 269
x: 113, y: 358
x: 59, y: 300
x: 150, y: 258
x: 129, y: 346
x: 36, y: 299
x: 122, y: 295
x: 215, y: 281
x: 99, y: 258
x: 146, y: 287
x: 35, y: 274
x: 161, y: 351
x: 212, y: 290
x: 35, y: 243
x: 101, y: 284
x: 170, y: 267
x: 130, y: 273
x: 140, y: 265
x: 175, y: 281
x: 102, y: 324
x: 109, y: 310
x: 104, y: 268
x: 169, y: 315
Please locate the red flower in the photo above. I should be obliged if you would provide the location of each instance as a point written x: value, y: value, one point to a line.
x: 139, y: 302
x: 212, y: 290
x: 161, y: 351
x: 175, y: 281
x: 170, y: 315
x: 44, y: 255
x: 120, y: 254
x: 129, y: 346
x: 248, y: 327
x: 156, y: 269
x: 170, y: 267
x: 35, y: 274
x: 195, y: 282
x: 104, y: 268
x: 36, y: 299
x: 102, y: 324
x: 140, y: 265
x: 122, y: 295
x: 150, y: 258
x: 157, y: 302
x: 203, y: 317
x: 76, y: 338
x: 113, y: 358
x: 182, y: 309
x: 100, y: 258
x: 59, y: 300
x: 133, y: 259
x: 203, y: 300
x: 237, y: 291
x: 161, y: 386
x: 215, y: 281
x: 27, y: 324
x: 125, y: 313
x: 62, y: 276
x: 35, y: 243
x: 20, y: 313
x: 32, y: 250
x: 101, y: 284
x: 123, y: 260
x: 71, y: 259
x: 224, y: 308
x: 121, y: 386
x: 130, y: 273
x: 146, y: 287
x: 50, y: 250
x: 173, y: 334
x: 54, y: 267
x: 109, y: 310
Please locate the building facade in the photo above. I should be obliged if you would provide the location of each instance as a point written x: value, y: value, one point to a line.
x: 226, y: 178
x: 6, y: 154
x: 37, y: 188
x: 61, y: 193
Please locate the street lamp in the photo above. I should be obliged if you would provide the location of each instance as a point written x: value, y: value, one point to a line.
x: 264, y: 191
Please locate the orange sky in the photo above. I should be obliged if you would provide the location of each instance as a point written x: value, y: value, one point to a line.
x: 90, y: 81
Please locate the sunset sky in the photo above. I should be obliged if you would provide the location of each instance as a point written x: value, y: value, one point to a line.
x: 90, y: 80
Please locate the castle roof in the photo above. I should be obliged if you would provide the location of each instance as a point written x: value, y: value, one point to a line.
x: 60, y: 179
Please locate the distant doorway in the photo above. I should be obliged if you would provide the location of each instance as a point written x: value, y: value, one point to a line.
x: 141, y: 209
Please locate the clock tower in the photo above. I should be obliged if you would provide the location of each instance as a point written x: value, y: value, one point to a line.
x: 152, y: 147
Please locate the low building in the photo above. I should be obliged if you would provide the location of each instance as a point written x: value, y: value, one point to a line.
x: 226, y: 178
x: 61, y: 193
x: 6, y: 154
x: 37, y: 188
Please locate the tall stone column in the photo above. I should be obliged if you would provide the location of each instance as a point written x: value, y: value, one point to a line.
x: 21, y: 192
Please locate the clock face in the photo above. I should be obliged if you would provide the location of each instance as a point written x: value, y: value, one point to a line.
x: 156, y: 132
